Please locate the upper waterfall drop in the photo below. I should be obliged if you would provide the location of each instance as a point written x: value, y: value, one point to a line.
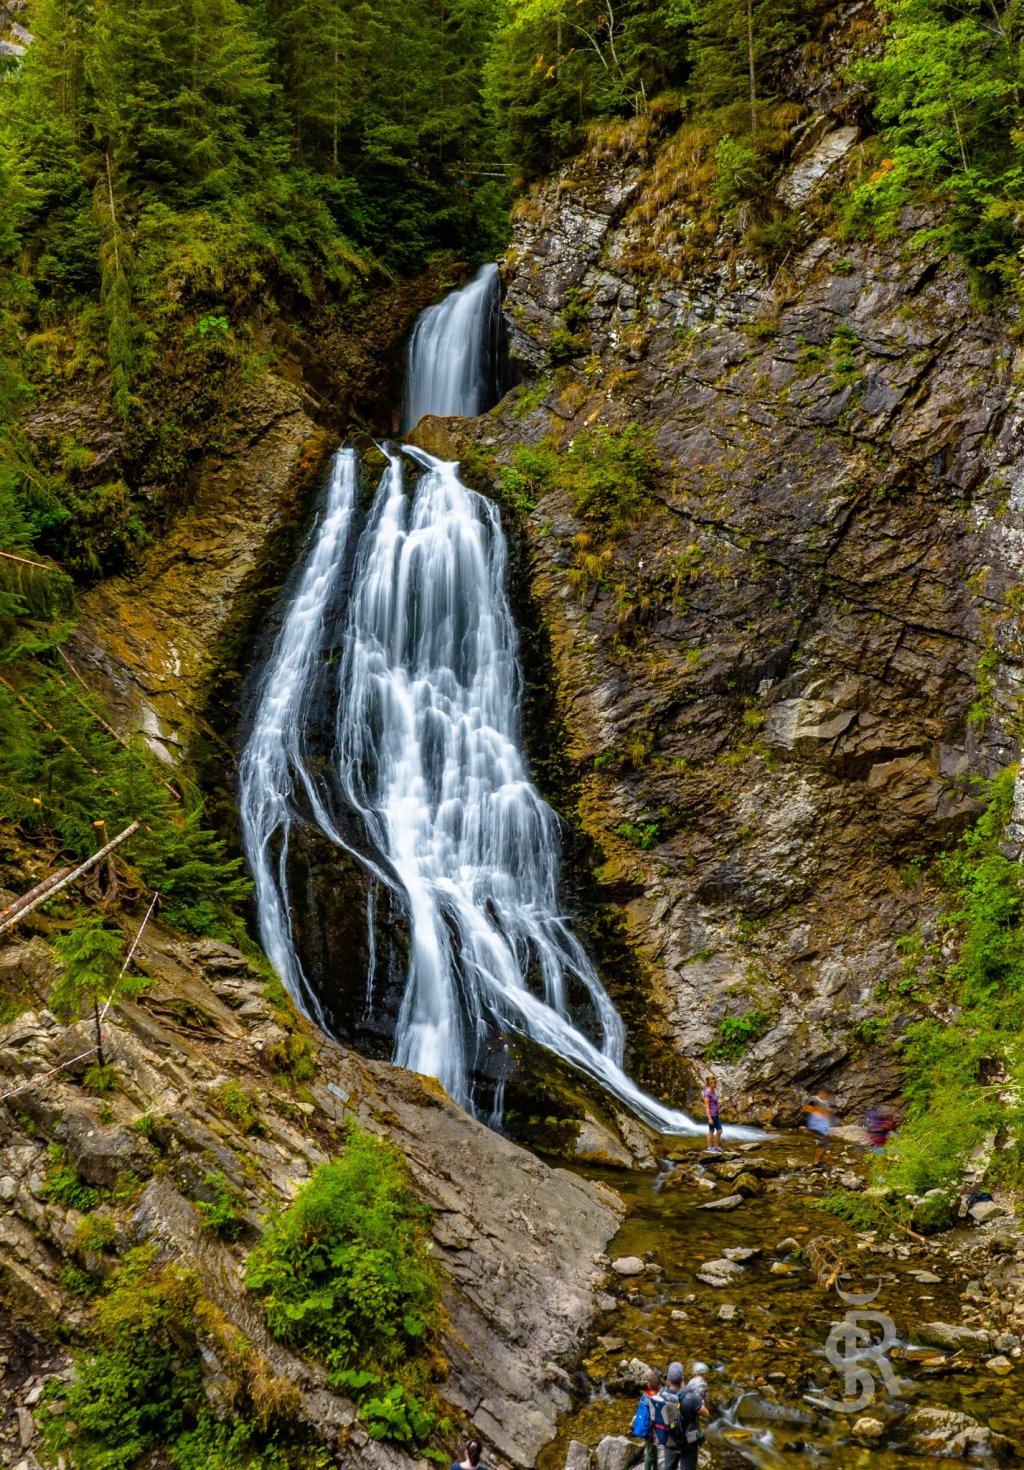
x: 427, y: 767
x: 454, y: 359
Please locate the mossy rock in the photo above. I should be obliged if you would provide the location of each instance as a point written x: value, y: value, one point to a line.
x: 934, y: 1213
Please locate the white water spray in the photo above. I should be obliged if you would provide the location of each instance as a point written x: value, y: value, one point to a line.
x: 428, y: 758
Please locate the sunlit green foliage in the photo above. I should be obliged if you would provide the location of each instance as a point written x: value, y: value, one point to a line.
x: 946, y: 89
x: 963, y: 1066
x: 346, y: 1276
x: 140, y: 1392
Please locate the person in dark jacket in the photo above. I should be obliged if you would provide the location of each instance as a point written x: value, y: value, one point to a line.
x: 474, y: 1449
x: 681, y: 1412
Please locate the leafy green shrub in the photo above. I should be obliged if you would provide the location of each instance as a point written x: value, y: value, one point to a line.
x: 140, y: 1390
x: 100, y: 1079
x: 609, y: 474
x: 641, y: 834
x: 736, y: 1034
x: 346, y: 1275
x: 951, y: 1067
x: 933, y: 1213
x: 857, y: 1209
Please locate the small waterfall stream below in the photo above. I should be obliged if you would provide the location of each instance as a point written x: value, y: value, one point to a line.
x: 425, y: 782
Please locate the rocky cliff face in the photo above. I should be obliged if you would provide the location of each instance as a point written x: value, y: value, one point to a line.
x: 784, y: 676
x: 522, y: 1243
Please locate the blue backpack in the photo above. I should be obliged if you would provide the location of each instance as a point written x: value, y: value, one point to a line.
x: 643, y: 1423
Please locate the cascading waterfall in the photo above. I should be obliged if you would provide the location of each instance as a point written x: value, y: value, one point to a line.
x: 427, y: 757
x: 274, y: 755
x: 455, y: 352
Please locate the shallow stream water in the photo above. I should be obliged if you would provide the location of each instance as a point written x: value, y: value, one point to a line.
x: 767, y: 1361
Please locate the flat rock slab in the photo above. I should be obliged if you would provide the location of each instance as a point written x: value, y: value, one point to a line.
x: 730, y: 1202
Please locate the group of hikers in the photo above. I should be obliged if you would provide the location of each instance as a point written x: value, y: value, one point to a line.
x: 668, y: 1419
x: 669, y: 1414
x: 879, y: 1121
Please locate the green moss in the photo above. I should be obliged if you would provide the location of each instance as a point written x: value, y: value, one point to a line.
x: 138, y: 1396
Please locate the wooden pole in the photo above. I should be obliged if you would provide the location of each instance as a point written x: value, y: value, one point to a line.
x: 41, y: 888
x: 60, y: 881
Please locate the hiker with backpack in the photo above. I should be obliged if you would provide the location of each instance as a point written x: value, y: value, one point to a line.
x: 643, y: 1420
x: 678, y: 1412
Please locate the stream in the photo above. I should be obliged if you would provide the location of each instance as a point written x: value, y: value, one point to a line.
x: 763, y: 1334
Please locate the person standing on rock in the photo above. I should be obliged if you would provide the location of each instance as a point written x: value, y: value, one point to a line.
x: 711, y: 1108
x: 678, y: 1423
x: 474, y: 1449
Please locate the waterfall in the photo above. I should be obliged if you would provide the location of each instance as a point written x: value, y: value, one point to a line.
x: 427, y: 757
x: 454, y: 358
x: 273, y: 758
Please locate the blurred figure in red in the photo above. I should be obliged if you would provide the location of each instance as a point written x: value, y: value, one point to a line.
x: 880, y: 1124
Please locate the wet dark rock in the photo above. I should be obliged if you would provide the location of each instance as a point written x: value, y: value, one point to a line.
x: 950, y: 1435
x: 782, y: 651
x: 970, y: 1340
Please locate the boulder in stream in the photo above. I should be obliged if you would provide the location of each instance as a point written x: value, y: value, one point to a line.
x: 950, y: 1335
x: 628, y: 1266
x: 950, y: 1435
x: 720, y: 1272
x: 616, y: 1452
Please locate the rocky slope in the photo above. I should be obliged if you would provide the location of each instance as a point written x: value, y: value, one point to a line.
x: 785, y: 674
x: 201, y: 1059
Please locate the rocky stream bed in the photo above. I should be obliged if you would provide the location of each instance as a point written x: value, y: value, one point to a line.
x: 714, y: 1265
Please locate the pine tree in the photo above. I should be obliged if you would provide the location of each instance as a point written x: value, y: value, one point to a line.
x: 90, y: 955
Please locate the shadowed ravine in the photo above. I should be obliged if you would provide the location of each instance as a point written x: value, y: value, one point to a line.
x: 427, y: 765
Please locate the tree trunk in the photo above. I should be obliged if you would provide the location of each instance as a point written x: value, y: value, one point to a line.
x: 99, y: 1032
